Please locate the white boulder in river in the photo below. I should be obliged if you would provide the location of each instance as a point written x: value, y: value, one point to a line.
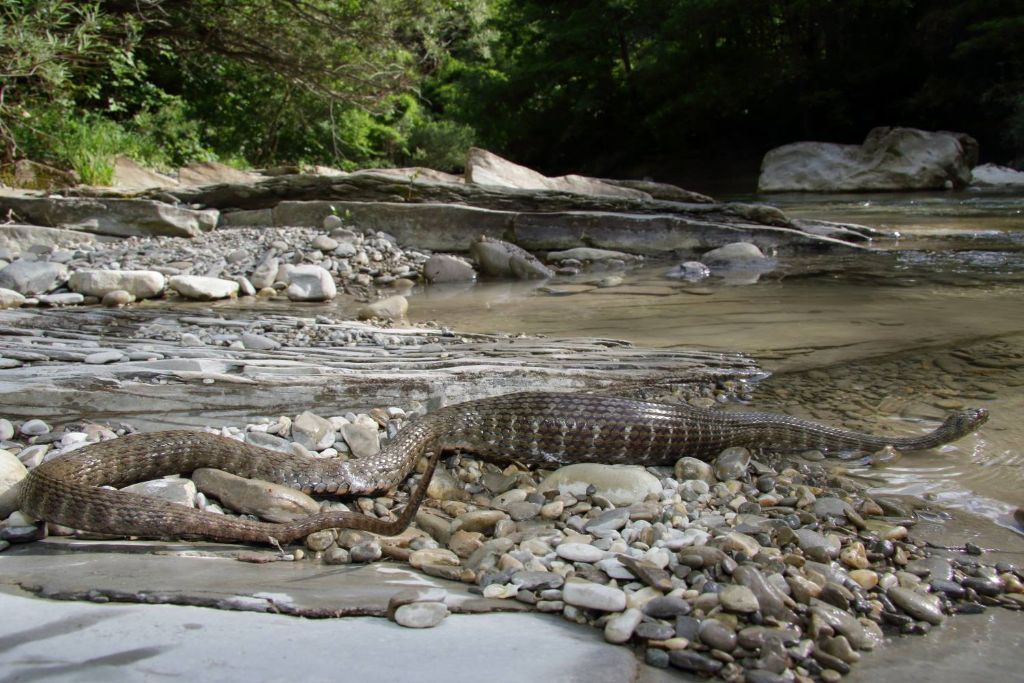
x: 203, y: 288
x: 889, y: 159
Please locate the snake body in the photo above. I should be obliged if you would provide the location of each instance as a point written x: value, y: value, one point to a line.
x: 546, y: 429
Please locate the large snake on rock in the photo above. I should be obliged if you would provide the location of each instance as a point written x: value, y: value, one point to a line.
x: 533, y: 428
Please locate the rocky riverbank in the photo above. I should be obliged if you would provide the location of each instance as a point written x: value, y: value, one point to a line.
x: 756, y: 568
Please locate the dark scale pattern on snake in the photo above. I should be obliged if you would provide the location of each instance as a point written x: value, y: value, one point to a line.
x: 545, y: 429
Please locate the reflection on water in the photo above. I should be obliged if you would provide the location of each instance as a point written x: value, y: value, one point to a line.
x: 887, y: 340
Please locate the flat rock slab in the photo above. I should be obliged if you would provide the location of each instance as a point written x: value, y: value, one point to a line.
x: 59, y: 641
x: 222, y: 385
x: 210, y: 575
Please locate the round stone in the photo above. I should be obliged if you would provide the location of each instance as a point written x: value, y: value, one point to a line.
x: 421, y: 614
x: 580, y: 552
x: 717, y: 635
x: 740, y: 599
x: 594, y: 596
x: 34, y: 427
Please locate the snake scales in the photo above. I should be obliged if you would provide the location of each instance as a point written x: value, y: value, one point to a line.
x: 533, y: 428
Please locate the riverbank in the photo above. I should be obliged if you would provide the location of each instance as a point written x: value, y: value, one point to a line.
x: 792, y: 533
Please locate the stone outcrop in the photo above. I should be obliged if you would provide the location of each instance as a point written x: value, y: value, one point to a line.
x: 110, y: 216
x: 211, y: 172
x: 890, y: 159
x: 130, y: 175
x: 431, y: 210
x: 32, y: 175
x: 488, y: 169
x: 17, y: 238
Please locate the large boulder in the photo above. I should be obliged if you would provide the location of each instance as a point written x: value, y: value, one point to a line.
x: 889, y: 159
x: 501, y: 259
x: 213, y: 173
x: 142, y: 284
x: 31, y: 175
x: 19, y: 238
x: 486, y: 168
x: 993, y: 175
x: 130, y: 175
x: 33, y: 277
x: 118, y: 217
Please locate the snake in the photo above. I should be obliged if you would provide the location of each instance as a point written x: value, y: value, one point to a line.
x: 544, y: 429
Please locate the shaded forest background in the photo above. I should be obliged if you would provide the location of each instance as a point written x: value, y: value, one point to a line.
x: 602, y: 86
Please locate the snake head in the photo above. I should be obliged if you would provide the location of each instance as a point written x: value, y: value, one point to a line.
x: 963, y: 422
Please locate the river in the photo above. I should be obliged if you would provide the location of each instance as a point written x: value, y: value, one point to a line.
x: 929, y: 320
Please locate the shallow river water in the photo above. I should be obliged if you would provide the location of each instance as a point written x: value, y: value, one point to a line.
x: 889, y: 339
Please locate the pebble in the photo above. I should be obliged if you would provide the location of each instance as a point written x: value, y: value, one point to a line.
x: 421, y: 614
x: 594, y: 596
x: 117, y: 297
x: 738, y: 599
x: 203, y: 288
x: 311, y: 283
x: 369, y: 551
x: 361, y: 439
x: 925, y: 607
x: 273, y: 502
x: 732, y: 463
x: 693, y: 469
x: 104, y: 357
x: 620, y: 627
x: 580, y: 552
x: 694, y: 662
x: 717, y: 635
x: 34, y: 427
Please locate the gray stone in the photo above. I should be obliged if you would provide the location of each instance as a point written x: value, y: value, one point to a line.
x: 312, y: 431
x: 446, y: 268
x: 12, y: 471
x: 180, y: 491
x: 266, y: 500
x: 104, y: 357
x: 694, y: 662
x: 421, y: 614
x: 771, y: 600
x: 591, y: 254
x: 10, y: 298
x: 691, y: 271
x: 61, y: 299
x: 390, y: 308
x: 619, y: 629
x: 607, y: 521
x: 620, y: 484
x: 580, y: 552
x: 733, y: 253
x: 265, y: 273
x: 501, y: 259
x: 203, y: 288
x: 34, y: 427
x: 362, y: 440
x: 921, y: 606
x: 142, y: 284
x: 594, y: 596
x: 487, y: 168
x: 118, y: 217
x: 844, y: 623
x: 693, y: 469
x: 33, y: 277
x: 311, y: 283
x: 259, y: 342
x: 717, y: 635
x: 738, y: 599
x: 732, y: 463
x: 324, y: 243
x: 117, y: 297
